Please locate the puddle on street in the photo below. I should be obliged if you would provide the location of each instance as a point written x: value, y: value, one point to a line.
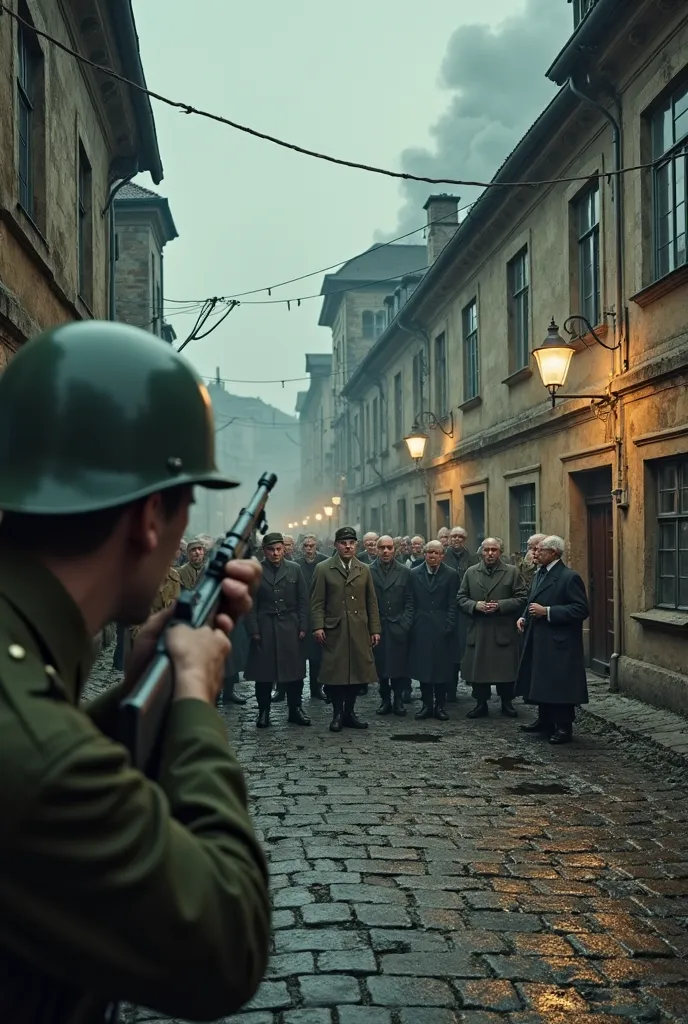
x: 417, y: 737
x: 509, y: 764
x: 538, y: 789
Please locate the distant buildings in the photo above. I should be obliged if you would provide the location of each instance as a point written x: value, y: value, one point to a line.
x: 69, y: 134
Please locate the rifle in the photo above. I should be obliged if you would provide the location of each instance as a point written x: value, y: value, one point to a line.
x: 142, y: 712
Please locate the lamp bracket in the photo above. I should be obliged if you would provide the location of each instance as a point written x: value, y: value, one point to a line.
x: 430, y: 420
x: 589, y: 329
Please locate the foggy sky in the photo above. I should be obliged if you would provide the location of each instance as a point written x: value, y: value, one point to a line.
x: 405, y: 85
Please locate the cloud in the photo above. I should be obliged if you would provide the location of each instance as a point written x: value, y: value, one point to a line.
x: 496, y: 78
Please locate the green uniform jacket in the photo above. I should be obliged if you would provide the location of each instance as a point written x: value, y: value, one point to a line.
x: 188, y: 575
x: 113, y: 887
x: 346, y: 608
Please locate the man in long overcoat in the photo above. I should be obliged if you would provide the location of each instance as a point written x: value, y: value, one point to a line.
x: 394, y: 598
x: 307, y: 561
x: 552, y: 670
x: 277, y: 627
x: 458, y: 557
x: 346, y: 621
x: 434, y: 586
x: 492, y: 596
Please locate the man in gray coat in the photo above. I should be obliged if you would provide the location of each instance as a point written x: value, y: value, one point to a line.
x: 395, y: 601
x: 492, y: 595
x: 277, y: 626
x: 552, y: 670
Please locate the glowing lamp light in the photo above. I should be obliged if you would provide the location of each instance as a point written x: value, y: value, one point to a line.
x: 318, y: 516
x: 328, y: 510
x: 553, y: 360
x: 416, y: 442
x: 305, y: 522
x: 336, y: 500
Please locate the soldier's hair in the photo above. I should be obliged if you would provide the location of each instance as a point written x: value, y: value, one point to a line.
x: 73, y: 536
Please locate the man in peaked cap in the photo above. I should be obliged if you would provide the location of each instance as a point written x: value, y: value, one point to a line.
x: 346, y: 621
x: 277, y: 626
x: 114, y: 887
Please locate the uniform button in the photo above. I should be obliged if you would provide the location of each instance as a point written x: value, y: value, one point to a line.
x: 50, y: 670
x: 16, y: 652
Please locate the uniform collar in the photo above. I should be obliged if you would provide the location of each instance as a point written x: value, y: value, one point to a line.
x: 50, y: 611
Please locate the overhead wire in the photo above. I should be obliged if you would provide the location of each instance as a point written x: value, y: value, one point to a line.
x: 187, y: 108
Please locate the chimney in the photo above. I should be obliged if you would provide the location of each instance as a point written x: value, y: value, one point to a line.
x: 443, y: 220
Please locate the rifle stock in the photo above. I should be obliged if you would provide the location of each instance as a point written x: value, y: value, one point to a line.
x: 142, y: 712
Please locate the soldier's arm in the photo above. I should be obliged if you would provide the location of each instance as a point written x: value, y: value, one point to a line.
x: 318, y: 599
x: 155, y: 894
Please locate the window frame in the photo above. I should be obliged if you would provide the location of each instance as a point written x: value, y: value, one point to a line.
x: 28, y: 56
x: 441, y: 382
x: 675, y: 519
x: 588, y: 250
x: 672, y: 156
x: 84, y: 226
x: 519, y: 309
x: 398, y: 406
x: 368, y: 325
x: 524, y: 497
x: 470, y: 329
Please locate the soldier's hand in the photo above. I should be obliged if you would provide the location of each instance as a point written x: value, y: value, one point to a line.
x: 198, y: 657
x: 319, y: 635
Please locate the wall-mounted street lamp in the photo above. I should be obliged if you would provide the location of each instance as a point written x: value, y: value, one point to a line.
x: 336, y: 500
x: 554, y: 357
x: 328, y: 510
x: 305, y: 522
x: 318, y: 516
x: 417, y: 439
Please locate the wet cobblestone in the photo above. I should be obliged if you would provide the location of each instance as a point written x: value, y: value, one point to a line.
x: 486, y: 877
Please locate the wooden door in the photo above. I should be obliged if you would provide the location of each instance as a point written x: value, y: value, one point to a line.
x: 601, y: 596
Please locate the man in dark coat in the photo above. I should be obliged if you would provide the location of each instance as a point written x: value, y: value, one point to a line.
x: 394, y: 598
x: 552, y: 669
x: 277, y: 627
x: 369, y: 553
x: 346, y: 621
x: 458, y: 557
x: 307, y: 561
x: 434, y: 586
x: 492, y: 595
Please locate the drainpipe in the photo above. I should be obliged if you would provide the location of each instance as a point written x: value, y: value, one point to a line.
x: 620, y: 365
x: 112, y: 261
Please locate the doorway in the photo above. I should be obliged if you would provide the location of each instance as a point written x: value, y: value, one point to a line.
x: 443, y: 513
x: 475, y: 519
x: 601, y: 582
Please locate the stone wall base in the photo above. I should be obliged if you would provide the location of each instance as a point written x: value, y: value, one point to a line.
x: 654, y: 685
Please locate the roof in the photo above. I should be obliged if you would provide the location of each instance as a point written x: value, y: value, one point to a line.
x: 380, y: 263
x: 124, y: 24
x: 586, y: 40
x: 131, y: 196
x: 319, y: 364
x: 532, y: 143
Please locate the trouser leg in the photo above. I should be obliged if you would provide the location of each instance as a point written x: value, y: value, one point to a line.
x: 336, y: 694
x: 481, y: 692
x: 453, y: 687
x: 426, y: 698
x: 313, y: 679
x: 407, y: 692
x: 397, y: 686
x: 440, y: 701
x: 563, y: 715
x: 505, y: 691
x: 385, y: 698
x: 351, y: 719
x: 263, y: 696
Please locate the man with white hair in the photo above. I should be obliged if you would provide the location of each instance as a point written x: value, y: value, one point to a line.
x: 492, y: 596
x: 369, y: 553
x: 417, y: 545
x: 552, y: 670
x: 529, y: 563
x: 458, y: 557
x: 443, y: 537
x: 434, y: 587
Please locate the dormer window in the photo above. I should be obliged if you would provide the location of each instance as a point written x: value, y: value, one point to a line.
x: 580, y: 10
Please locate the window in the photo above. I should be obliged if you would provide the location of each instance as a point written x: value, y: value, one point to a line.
x: 672, y: 534
x: 374, y: 520
x: 398, y: 408
x: 368, y: 323
x: 525, y: 518
x: 588, y: 227
x: 443, y: 513
x: 420, y: 525
x: 471, y: 363
x: 85, y: 228
x: 357, y: 448
x: 367, y: 436
x: 402, y: 523
x: 517, y: 275
x: 441, y: 401
x: 29, y: 112
x: 670, y: 154
x: 380, y: 323
x: 376, y: 426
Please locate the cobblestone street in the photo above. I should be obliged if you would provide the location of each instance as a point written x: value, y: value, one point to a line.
x: 428, y: 874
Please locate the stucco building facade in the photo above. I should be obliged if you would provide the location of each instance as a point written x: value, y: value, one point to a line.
x: 69, y: 134
x: 608, y: 470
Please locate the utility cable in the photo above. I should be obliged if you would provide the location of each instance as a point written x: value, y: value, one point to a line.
x: 187, y: 108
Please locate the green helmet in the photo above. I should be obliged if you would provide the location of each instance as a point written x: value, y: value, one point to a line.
x: 97, y: 414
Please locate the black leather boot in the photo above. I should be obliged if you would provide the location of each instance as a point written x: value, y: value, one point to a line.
x: 337, y: 723
x: 538, y: 726
x: 385, y: 707
x: 426, y: 697
x: 562, y: 734
x: 398, y: 706
x: 452, y: 692
x: 297, y: 717
x: 508, y: 709
x: 351, y: 719
x: 480, y: 710
x: 263, y: 720
x: 385, y: 698
x: 407, y: 695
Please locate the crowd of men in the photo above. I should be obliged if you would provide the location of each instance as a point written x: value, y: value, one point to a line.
x: 394, y: 610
